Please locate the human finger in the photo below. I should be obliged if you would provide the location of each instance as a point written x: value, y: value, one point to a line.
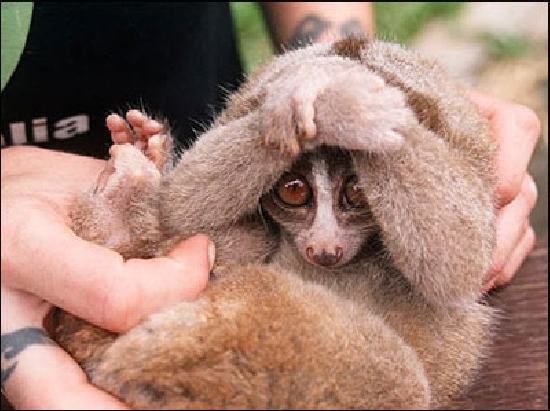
x: 524, y: 247
x: 95, y: 283
x: 500, y: 263
x: 516, y: 129
x: 512, y: 222
x: 43, y: 376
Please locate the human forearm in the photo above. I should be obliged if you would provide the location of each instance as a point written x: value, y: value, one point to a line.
x: 296, y: 23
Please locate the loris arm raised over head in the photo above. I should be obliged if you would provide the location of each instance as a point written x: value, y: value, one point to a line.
x: 265, y: 126
x: 220, y: 179
x: 435, y: 214
x: 433, y: 198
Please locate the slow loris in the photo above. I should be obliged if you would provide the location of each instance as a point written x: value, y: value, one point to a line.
x: 348, y: 188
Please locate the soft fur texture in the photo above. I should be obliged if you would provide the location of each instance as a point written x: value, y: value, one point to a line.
x: 400, y: 326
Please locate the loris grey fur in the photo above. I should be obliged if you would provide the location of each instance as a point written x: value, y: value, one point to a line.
x: 381, y: 310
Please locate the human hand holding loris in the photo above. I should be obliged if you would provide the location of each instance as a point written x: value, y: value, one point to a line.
x: 44, y: 264
x: 516, y: 130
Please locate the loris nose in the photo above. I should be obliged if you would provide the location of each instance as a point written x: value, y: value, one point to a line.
x: 324, y: 258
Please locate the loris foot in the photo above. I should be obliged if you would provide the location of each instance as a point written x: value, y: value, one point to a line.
x: 121, y: 213
x: 148, y: 135
x: 358, y: 110
x: 127, y: 169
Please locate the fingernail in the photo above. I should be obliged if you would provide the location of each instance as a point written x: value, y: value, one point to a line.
x: 211, y: 254
x: 533, y: 186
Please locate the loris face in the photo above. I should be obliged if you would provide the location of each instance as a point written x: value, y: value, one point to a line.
x: 321, y: 209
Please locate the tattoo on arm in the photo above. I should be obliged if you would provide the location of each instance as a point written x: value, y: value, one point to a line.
x: 352, y: 28
x: 16, y: 342
x: 312, y: 27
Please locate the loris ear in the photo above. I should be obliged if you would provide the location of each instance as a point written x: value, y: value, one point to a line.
x: 358, y: 110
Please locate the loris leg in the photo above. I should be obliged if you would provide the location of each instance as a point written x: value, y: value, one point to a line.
x: 434, y: 207
x: 260, y: 338
x: 433, y: 197
x: 334, y: 101
x: 438, y: 101
x: 122, y: 211
x: 435, y: 212
x: 216, y: 186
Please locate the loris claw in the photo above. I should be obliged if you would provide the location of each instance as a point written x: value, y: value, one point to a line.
x: 121, y: 212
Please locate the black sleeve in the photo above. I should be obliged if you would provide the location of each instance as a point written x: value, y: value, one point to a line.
x: 83, y: 61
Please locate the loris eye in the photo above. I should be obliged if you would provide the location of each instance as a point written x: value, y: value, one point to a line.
x: 293, y: 189
x: 353, y: 195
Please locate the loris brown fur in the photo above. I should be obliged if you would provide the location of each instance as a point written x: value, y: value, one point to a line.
x: 399, y: 326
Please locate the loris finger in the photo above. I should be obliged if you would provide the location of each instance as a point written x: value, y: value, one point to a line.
x: 120, y: 132
x: 143, y: 126
x: 136, y: 127
x: 512, y: 221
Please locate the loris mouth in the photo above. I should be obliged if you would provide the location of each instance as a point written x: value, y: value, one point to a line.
x: 327, y: 259
x: 323, y: 257
x: 338, y: 256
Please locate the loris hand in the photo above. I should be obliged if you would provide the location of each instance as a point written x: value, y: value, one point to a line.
x: 516, y: 129
x: 45, y: 264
